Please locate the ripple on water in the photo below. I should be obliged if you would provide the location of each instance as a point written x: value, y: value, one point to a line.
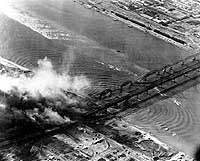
x: 101, y: 76
x: 27, y: 46
x: 24, y: 46
x: 168, y: 118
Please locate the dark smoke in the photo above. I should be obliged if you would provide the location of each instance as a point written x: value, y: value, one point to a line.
x: 41, y: 96
x: 197, y: 154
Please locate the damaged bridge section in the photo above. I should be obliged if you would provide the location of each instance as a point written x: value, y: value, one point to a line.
x: 157, y: 83
x: 103, y: 113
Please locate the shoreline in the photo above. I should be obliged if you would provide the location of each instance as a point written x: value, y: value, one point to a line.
x: 120, y: 123
x: 42, y: 27
x: 30, y: 25
x: 138, y: 23
x: 11, y: 64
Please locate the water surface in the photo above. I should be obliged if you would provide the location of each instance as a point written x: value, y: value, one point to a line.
x: 120, y: 53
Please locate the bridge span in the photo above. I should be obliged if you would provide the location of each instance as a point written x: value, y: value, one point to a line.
x: 129, y: 95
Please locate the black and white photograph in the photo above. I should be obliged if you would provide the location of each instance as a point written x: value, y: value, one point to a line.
x: 99, y: 80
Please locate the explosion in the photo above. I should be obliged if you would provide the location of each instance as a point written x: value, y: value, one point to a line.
x: 43, y: 94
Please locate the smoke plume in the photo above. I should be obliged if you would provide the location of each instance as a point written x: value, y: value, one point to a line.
x: 28, y: 93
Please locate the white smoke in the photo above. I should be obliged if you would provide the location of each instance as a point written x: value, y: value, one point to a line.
x: 45, y: 83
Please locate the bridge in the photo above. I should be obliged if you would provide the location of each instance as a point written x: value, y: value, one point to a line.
x: 123, y: 99
x: 155, y: 83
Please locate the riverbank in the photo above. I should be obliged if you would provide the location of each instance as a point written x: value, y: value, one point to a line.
x: 137, y: 46
x: 135, y: 20
x: 127, y: 46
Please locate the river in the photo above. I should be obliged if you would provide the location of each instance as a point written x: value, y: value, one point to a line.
x: 119, y: 53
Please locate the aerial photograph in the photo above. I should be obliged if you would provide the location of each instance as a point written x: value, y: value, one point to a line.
x: 99, y: 80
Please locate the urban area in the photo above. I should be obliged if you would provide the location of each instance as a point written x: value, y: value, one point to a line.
x: 176, y: 21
